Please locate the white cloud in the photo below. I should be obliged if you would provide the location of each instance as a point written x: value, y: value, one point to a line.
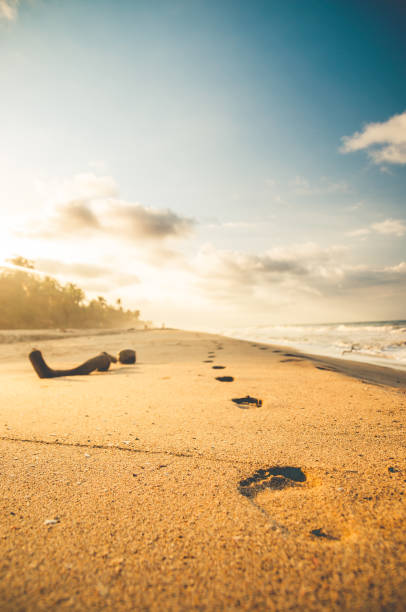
x: 393, y: 227
x: 9, y: 9
x: 389, y: 227
x: 384, y: 142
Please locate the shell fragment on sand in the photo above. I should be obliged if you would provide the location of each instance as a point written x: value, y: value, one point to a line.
x: 54, y: 521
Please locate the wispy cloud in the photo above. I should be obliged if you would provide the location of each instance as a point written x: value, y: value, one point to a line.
x: 362, y: 231
x: 233, y: 225
x: 355, y: 206
x: 84, y: 185
x: 389, y: 227
x: 9, y: 9
x: 384, y: 142
x: 324, y: 186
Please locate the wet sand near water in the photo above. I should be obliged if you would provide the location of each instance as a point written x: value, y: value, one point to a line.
x: 148, y: 488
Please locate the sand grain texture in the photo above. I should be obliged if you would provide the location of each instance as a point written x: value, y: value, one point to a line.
x: 165, y: 495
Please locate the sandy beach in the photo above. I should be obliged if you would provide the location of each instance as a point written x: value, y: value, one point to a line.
x: 148, y: 488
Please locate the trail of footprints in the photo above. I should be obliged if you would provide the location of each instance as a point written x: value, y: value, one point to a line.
x: 277, y: 491
x: 242, y: 402
x: 248, y: 401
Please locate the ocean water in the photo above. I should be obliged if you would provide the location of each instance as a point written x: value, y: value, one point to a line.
x: 379, y: 342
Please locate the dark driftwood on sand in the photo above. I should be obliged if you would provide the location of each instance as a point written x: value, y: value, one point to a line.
x: 127, y: 356
x: 100, y: 363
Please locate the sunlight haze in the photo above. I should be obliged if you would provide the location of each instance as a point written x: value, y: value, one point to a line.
x: 212, y: 164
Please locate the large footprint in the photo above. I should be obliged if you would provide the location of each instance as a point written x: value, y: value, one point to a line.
x: 286, y: 495
x: 271, y: 478
x: 335, y: 504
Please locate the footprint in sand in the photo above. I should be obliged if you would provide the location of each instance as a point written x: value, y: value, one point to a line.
x: 225, y: 378
x: 281, y: 492
x: 326, y: 369
x: 271, y: 478
x: 247, y: 401
x: 327, y: 504
x: 290, y: 360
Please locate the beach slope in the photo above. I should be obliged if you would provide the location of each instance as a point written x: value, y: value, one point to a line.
x: 148, y: 488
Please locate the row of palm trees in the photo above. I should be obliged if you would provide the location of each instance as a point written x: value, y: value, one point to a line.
x: 32, y: 301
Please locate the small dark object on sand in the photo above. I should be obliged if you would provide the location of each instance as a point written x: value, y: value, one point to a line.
x: 127, y: 356
x: 100, y: 363
x: 111, y: 357
x: 320, y: 534
x: 244, y: 401
x: 225, y: 378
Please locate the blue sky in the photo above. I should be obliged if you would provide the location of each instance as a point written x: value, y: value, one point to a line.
x: 198, y: 147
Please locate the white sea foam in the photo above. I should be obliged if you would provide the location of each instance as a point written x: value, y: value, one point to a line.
x: 380, y: 342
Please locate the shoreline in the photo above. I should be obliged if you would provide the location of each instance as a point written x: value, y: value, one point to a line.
x: 363, y: 370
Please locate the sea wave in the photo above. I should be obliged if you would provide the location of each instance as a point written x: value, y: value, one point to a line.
x: 379, y: 342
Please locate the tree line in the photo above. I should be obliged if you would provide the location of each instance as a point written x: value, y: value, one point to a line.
x: 32, y: 301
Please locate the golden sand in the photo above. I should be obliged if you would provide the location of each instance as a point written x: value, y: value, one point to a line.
x: 147, y: 488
